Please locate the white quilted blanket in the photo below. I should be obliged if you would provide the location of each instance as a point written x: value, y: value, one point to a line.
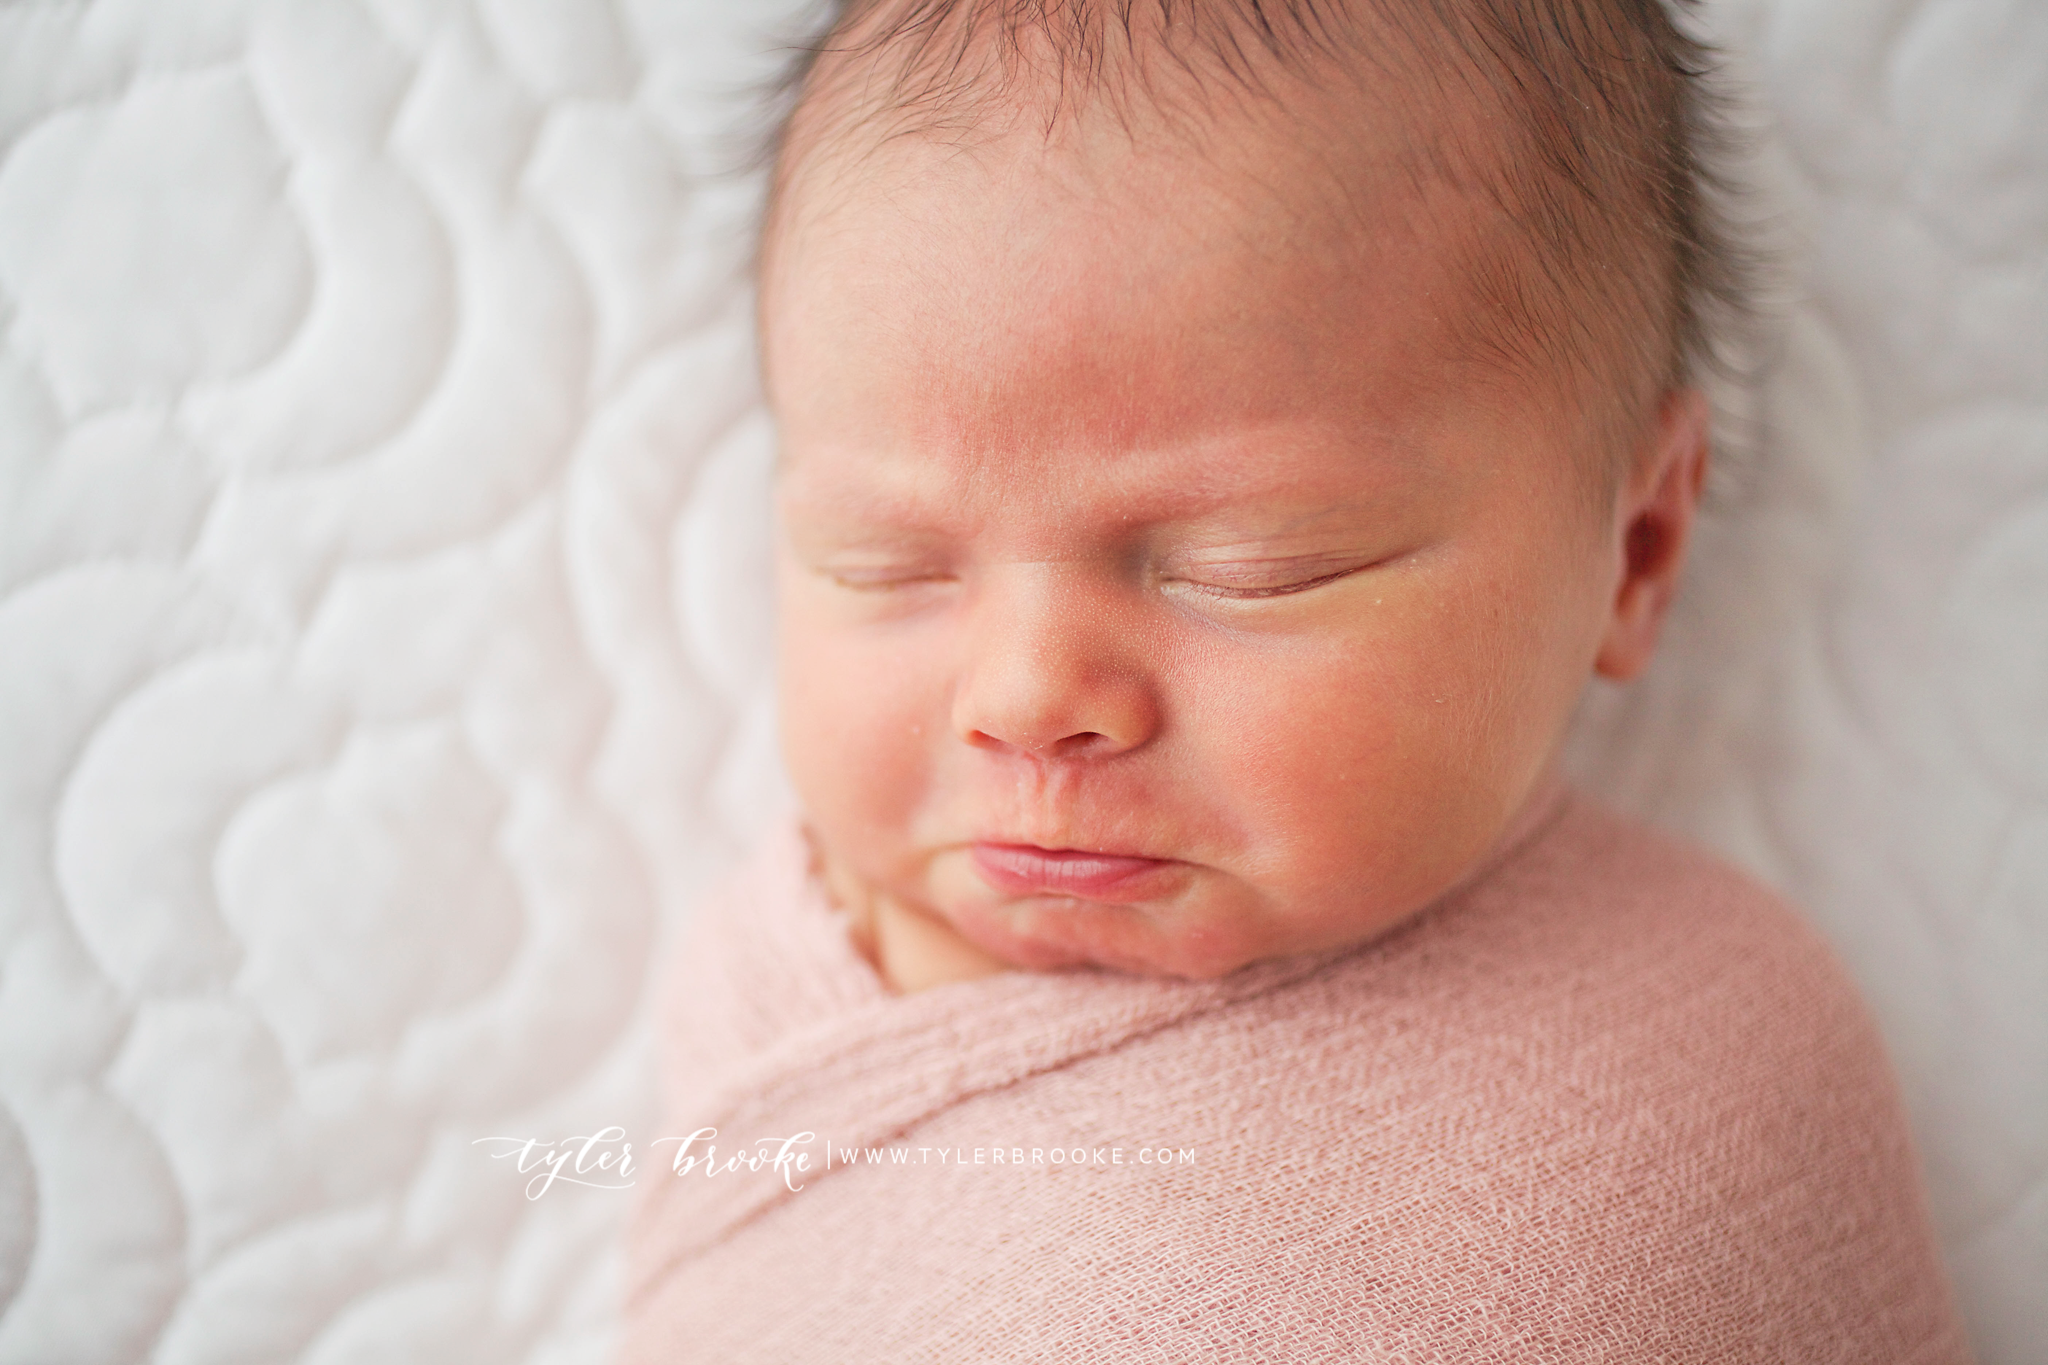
x: 383, y: 664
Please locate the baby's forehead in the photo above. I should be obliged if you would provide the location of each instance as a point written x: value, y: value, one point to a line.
x: 1531, y: 147
x: 972, y: 353
x: 1095, y: 296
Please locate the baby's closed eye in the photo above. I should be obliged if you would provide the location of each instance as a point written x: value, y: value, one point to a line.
x: 1251, y: 578
x: 1237, y: 578
x: 885, y: 577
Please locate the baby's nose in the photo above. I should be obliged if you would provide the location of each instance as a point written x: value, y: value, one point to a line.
x: 1054, y: 667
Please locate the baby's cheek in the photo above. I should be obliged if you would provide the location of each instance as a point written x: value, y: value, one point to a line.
x: 1319, y: 725
x: 854, y: 730
x: 1366, y: 762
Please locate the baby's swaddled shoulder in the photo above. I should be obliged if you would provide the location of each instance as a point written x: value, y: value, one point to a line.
x: 1650, y: 970
x: 1680, y: 1088
x: 1626, y: 939
x: 1620, y: 964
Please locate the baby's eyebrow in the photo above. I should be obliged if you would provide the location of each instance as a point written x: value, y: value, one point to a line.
x: 1254, y: 521
x: 1252, y: 485
x: 853, y: 517
x: 1256, y: 516
x: 874, y: 497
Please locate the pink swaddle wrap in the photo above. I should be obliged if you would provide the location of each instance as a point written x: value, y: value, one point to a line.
x: 1611, y: 1101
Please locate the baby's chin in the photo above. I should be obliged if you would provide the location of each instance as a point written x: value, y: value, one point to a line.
x: 1052, y: 933
x: 1208, y: 925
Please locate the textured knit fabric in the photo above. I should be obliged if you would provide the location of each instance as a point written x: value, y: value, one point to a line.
x: 1611, y: 1101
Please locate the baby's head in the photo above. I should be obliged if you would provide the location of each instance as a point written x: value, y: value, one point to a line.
x: 1221, y: 437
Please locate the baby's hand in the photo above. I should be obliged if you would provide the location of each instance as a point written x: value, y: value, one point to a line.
x: 909, y: 947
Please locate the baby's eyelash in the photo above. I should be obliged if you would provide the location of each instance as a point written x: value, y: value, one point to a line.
x: 1271, y: 590
x: 886, y: 580
x: 883, y: 581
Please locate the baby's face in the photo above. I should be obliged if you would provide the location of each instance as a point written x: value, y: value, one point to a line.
x: 1157, y: 589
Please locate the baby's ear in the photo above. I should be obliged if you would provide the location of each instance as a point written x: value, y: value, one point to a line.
x: 1652, y: 525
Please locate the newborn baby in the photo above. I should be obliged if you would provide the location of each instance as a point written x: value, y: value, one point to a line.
x: 1220, y: 439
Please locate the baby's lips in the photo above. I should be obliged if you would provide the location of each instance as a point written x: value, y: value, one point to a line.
x: 1027, y: 870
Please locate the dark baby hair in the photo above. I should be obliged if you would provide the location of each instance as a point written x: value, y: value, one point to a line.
x: 1594, y: 146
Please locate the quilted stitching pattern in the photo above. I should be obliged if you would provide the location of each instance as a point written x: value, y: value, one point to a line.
x: 382, y: 571
x: 383, y: 662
